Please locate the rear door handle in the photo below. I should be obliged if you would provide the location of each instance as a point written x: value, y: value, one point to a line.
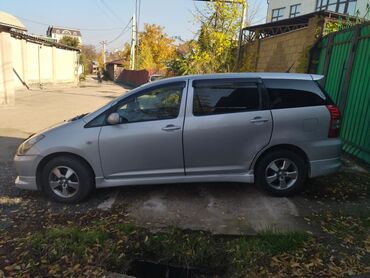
x: 258, y: 120
x: 171, y: 128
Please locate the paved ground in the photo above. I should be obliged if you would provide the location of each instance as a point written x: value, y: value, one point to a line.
x: 227, y: 208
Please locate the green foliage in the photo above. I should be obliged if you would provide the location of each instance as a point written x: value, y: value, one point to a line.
x: 217, y: 43
x: 88, y: 54
x: 341, y: 24
x: 70, y: 41
x: 117, y: 247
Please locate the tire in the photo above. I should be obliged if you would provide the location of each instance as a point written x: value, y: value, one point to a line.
x: 277, y: 178
x: 66, y: 179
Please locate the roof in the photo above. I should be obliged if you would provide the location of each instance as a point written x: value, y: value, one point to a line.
x: 115, y: 62
x: 290, y: 24
x: 252, y: 75
x: 11, y: 21
x: 41, y: 41
x: 63, y: 31
x: 263, y: 75
x: 249, y: 75
x: 302, y: 19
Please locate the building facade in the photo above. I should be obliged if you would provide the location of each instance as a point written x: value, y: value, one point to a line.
x: 283, y: 9
x: 57, y: 33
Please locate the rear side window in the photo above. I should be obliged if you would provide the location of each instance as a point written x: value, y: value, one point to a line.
x: 294, y: 93
x: 225, y: 98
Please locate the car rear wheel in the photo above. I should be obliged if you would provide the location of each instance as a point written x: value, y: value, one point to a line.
x: 67, y: 179
x: 281, y: 173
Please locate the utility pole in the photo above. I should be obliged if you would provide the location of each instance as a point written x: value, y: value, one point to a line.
x: 133, y: 43
x: 242, y: 25
x: 104, y: 44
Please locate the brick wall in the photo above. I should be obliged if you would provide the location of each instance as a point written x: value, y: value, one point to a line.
x: 280, y: 52
x: 133, y: 77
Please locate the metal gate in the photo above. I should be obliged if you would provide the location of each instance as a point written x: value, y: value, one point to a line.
x: 344, y: 59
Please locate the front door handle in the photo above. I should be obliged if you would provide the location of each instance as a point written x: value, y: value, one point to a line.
x: 258, y: 120
x: 171, y: 128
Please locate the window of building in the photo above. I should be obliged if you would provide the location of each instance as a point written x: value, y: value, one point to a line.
x: 277, y: 14
x: 339, y: 6
x: 225, y: 98
x: 295, y: 10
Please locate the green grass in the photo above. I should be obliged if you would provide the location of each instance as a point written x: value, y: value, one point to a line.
x: 114, y: 247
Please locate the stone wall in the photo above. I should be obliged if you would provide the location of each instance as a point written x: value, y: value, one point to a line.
x: 31, y: 61
x: 41, y: 64
x: 280, y: 52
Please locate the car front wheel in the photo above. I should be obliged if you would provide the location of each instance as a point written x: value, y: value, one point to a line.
x: 281, y: 173
x: 67, y: 179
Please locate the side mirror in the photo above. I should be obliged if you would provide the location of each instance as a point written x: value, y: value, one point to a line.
x: 114, y: 119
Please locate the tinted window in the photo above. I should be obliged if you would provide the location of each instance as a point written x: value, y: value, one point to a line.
x: 225, y: 98
x: 157, y: 104
x: 294, y: 93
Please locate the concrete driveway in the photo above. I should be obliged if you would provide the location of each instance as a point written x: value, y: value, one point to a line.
x: 226, y: 208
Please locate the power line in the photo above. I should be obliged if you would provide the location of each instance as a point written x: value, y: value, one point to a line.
x: 125, y: 29
x: 82, y: 29
x: 103, y: 10
x: 110, y: 10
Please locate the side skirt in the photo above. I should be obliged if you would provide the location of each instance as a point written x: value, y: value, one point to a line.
x: 248, y: 177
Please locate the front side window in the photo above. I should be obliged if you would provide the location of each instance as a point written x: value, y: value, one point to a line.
x: 225, y: 98
x: 277, y: 14
x: 295, y: 10
x: 157, y: 104
x: 294, y: 93
x: 339, y: 6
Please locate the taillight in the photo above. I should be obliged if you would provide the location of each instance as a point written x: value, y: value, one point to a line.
x: 334, y: 128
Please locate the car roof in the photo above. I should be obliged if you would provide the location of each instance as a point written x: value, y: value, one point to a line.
x: 262, y: 75
x: 252, y: 75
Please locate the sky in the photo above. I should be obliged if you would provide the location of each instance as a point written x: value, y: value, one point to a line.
x: 101, y: 20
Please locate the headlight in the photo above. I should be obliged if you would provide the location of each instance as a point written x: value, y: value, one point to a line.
x: 28, y: 144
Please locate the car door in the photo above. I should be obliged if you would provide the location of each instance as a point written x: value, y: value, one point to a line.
x: 226, y: 125
x: 148, y: 142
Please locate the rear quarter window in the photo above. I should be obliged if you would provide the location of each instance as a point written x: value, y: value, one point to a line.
x: 285, y: 93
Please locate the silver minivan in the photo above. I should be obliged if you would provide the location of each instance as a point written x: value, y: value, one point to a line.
x: 274, y: 129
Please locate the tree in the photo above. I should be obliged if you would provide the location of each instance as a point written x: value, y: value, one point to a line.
x: 125, y: 55
x: 88, y: 54
x: 215, y: 48
x: 155, y: 49
x: 70, y: 41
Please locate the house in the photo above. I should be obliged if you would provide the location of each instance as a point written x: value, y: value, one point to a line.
x: 283, y: 9
x: 57, y: 33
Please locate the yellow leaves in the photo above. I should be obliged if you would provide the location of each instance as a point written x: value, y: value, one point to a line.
x: 155, y: 48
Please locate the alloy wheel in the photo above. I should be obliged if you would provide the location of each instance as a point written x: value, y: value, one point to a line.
x: 64, y: 181
x: 281, y: 173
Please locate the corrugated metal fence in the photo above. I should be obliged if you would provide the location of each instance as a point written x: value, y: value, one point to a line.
x: 344, y: 60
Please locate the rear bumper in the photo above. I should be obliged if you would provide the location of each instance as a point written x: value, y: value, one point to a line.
x: 324, y: 167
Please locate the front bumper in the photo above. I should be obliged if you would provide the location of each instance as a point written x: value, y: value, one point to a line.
x: 26, y: 167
